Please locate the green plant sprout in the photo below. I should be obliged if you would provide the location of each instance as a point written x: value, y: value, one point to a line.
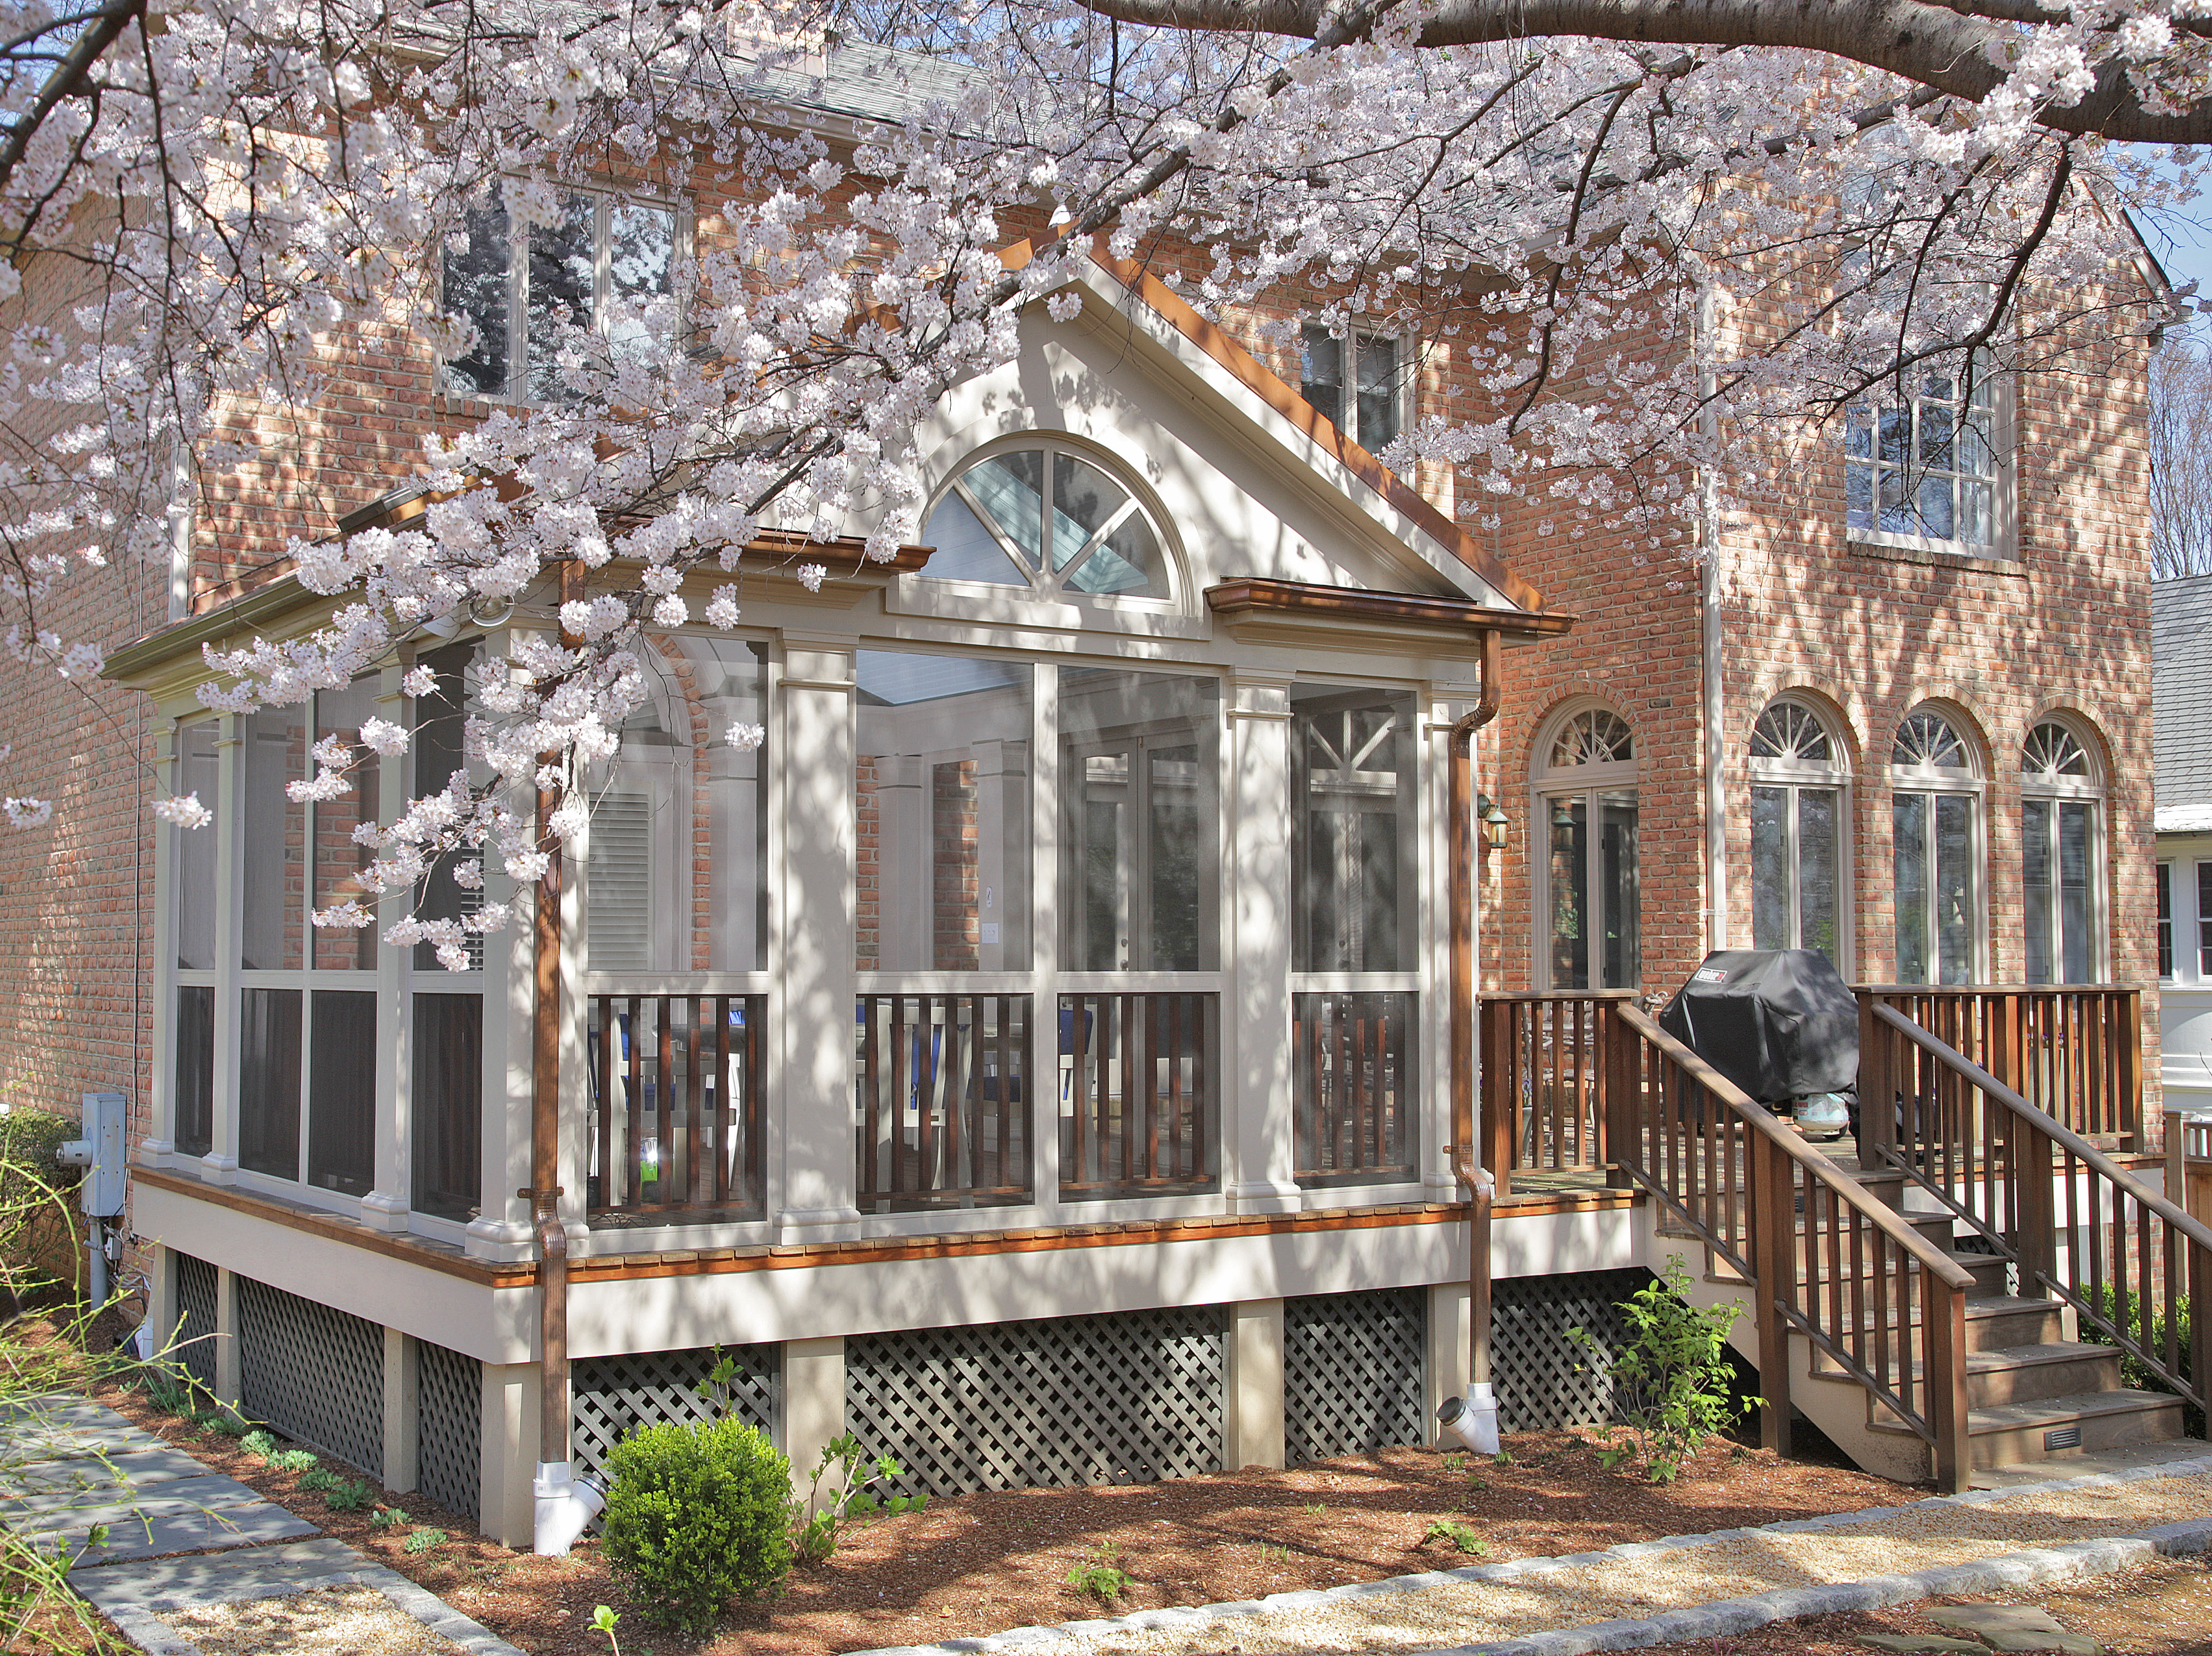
x: 1096, y: 1575
x: 817, y: 1527
x: 421, y: 1541
x: 1464, y: 1536
x: 603, y: 1621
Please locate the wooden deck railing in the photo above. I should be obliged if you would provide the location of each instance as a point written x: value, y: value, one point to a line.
x: 941, y: 1114
x: 2074, y: 1052
x: 1819, y: 1254
x: 1138, y: 1095
x: 2070, y: 1218
x: 1353, y: 1104
x: 675, y: 1116
x: 1544, y: 1081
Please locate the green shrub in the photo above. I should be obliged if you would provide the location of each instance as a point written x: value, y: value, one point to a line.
x: 421, y: 1541
x: 318, y: 1477
x: 1098, y: 1574
x: 697, y: 1516
x: 292, y: 1460
x: 819, y: 1523
x: 259, y: 1442
x: 1672, y: 1374
x: 347, y: 1496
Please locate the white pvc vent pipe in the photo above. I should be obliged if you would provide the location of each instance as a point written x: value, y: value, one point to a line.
x: 565, y: 1506
x: 1473, y: 1419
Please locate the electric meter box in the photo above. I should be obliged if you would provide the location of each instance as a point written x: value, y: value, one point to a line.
x: 100, y: 1154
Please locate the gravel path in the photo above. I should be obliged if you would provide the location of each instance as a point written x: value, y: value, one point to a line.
x: 1494, y: 1603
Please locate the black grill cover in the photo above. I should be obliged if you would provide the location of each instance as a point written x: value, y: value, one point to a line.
x: 1780, y: 1023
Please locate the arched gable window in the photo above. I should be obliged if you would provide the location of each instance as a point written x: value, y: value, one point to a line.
x: 1049, y: 517
x: 2062, y: 856
x: 1587, y: 900
x: 1936, y: 801
x: 1800, y: 867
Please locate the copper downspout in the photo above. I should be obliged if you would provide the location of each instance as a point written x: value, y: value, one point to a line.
x: 544, y: 1191
x: 1460, y: 831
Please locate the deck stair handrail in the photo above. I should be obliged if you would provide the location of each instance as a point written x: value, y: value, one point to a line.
x: 1823, y: 1256
x: 2018, y: 1176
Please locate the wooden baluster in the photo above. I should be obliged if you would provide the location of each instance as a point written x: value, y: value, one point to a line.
x: 1152, y: 1089
x: 2200, y: 1323
x: 2127, y: 1010
x: 1079, y: 1087
x: 1178, y: 1122
x: 1201, y: 1099
x: 1495, y: 1140
x: 634, y: 1151
x: 872, y: 1084
x: 902, y: 1035
x: 609, y: 1078
x: 694, y: 1105
x: 725, y: 1134
x: 1774, y: 1263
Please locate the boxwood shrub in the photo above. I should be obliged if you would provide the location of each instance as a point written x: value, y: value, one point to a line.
x: 697, y: 1516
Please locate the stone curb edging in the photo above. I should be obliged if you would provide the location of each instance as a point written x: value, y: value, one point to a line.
x: 1720, y: 1618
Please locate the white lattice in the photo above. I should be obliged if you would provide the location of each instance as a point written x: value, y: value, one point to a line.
x: 1118, y: 1399
x: 313, y: 1372
x: 1544, y: 1380
x: 1352, y: 1372
x: 609, y: 1396
x: 196, y: 1314
x: 449, y: 1433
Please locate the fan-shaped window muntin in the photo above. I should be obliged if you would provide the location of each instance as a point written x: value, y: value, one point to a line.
x: 1936, y: 850
x: 1049, y: 518
x: 1799, y: 834
x: 1589, y: 901
x: 2061, y: 857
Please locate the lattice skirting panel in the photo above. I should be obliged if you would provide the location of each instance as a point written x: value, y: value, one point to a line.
x: 1544, y: 1379
x: 195, y: 1315
x: 314, y: 1373
x: 610, y: 1395
x: 1116, y: 1399
x: 449, y: 1430
x: 1352, y: 1372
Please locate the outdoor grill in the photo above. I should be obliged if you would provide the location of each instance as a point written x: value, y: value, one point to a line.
x: 1780, y: 1023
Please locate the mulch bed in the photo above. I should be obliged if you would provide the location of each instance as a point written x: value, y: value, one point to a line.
x: 983, y: 1563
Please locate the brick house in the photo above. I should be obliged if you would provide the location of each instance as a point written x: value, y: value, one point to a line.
x: 1057, y: 1003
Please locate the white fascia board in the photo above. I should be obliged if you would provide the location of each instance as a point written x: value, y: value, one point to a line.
x: 1300, y: 452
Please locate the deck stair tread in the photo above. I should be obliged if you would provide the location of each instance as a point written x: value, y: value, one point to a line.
x: 2072, y: 1407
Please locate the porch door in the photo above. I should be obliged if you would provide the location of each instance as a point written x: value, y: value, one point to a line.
x: 1141, y: 854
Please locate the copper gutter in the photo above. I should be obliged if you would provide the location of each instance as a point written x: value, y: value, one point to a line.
x: 544, y: 1191
x: 1459, y: 834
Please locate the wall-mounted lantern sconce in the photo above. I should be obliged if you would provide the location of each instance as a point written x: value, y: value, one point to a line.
x: 1493, y: 818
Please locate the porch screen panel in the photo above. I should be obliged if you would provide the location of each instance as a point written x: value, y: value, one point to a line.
x: 339, y: 859
x: 269, y: 1081
x: 448, y: 1104
x: 439, y: 753
x: 275, y: 834
x: 942, y: 792
x: 1352, y: 783
x: 342, y: 1091
x: 196, y: 886
x: 1140, y: 814
x: 191, y: 1124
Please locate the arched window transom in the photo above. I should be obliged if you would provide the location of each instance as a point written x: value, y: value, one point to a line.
x: 1594, y: 736
x: 1051, y: 519
x: 1789, y: 732
x: 2053, y: 756
x: 1926, y: 741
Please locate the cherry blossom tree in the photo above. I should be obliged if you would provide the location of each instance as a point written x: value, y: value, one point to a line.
x: 1819, y: 200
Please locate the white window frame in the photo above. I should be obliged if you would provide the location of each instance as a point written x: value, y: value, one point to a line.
x: 2004, y: 538
x: 1938, y: 779
x: 2164, y: 923
x: 604, y: 198
x: 1551, y: 785
x: 1407, y: 347
x: 1798, y: 775
x: 2054, y: 789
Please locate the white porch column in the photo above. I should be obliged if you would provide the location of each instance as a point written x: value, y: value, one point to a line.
x: 221, y: 1162
x: 1254, y: 1434
x: 1434, y: 844
x: 1256, y: 1129
x: 508, y: 1439
x: 403, y: 1410
x: 385, y: 1208
x: 813, y: 1404
x: 226, y: 1338
x: 813, y: 1141
x: 160, y: 1101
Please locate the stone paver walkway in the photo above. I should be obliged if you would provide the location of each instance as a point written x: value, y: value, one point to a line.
x: 180, y: 1539
x: 1699, y: 1587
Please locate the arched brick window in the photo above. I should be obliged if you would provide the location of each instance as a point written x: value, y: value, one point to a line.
x: 1588, y: 905
x: 1800, y: 833
x: 1935, y: 822
x: 2061, y: 839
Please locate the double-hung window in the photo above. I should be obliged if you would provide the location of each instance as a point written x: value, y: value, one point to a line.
x: 1928, y: 465
x: 523, y: 286
x: 1798, y: 818
x: 2061, y: 857
x: 1356, y: 380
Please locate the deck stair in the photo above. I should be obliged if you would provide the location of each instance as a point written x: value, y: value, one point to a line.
x: 1926, y: 1308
